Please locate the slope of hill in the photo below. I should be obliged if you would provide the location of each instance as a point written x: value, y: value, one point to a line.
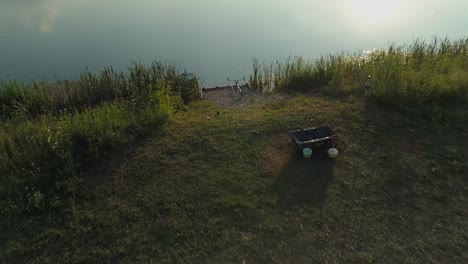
x: 230, y: 188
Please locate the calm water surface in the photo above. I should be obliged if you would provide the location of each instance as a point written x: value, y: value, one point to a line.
x: 216, y: 39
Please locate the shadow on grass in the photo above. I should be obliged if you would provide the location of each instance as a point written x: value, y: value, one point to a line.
x: 304, y: 182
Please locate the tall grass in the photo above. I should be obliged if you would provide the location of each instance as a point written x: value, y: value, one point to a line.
x: 92, y: 89
x: 418, y: 74
x: 51, y: 134
x: 293, y: 73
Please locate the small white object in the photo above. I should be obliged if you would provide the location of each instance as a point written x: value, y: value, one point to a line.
x: 332, y: 153
x: 307, y: 152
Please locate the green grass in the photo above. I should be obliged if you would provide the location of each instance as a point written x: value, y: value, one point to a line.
x: 81, y: 182
x: 92, y: 90
x: 421, y: 74
x: 50, y: 136
x: 230, y: 189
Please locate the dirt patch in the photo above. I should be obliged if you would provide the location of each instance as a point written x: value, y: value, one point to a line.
x: 278, y: 155
x: 226, y: 97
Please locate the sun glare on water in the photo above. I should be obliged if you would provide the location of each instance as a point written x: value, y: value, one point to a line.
x: 371, y: 13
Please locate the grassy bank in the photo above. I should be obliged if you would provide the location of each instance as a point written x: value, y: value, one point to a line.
x: 91, y: 90
x: 50, y: 134
x: 417, y: 75
x: 230, y: 189
x: 93, y: 171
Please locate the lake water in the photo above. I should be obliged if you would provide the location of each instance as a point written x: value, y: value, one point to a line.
x: 216, y: 39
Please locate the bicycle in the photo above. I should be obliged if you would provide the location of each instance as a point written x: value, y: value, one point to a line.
x: 236, y: 87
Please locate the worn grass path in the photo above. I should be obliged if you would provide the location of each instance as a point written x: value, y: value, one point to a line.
x: 230, y: 190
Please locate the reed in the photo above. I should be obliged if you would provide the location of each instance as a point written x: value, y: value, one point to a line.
x: 91, y: 90
x: 418, y: 74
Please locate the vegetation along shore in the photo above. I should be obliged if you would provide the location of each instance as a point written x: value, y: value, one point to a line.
x: 133, y: 166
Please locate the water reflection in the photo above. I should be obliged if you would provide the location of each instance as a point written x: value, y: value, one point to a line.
x: 49, y: 12
x: 40, y: 16
x: 215, y: 39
